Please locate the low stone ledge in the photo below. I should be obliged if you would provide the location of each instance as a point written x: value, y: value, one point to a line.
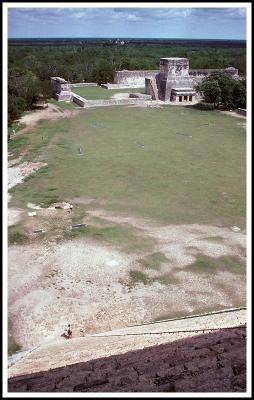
x: 122, y: 85
x: 83, y: 84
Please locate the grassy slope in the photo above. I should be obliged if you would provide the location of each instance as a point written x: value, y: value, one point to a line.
x: 96, y: 93
x: 174, y: 178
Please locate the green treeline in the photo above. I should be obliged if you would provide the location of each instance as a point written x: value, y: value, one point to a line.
x: 31, y: 65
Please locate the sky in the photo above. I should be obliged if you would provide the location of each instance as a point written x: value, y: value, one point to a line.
x: 131, y: 22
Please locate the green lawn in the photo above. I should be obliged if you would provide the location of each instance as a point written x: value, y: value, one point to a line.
x: 175, y: 164
x: 97, y: 93
x: 63, y: 104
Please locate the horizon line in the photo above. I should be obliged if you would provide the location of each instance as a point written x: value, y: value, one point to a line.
x: 125, y: 37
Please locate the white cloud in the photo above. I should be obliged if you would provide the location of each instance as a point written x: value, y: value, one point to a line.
x: 79, y: 14
x: 133, y: 17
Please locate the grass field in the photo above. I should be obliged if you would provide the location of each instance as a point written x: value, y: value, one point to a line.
x: 97, y: 93
x: 63, y: 104
x: 174, y: 164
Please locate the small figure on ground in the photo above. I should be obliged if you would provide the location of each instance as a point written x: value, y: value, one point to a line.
x: 69, y: 332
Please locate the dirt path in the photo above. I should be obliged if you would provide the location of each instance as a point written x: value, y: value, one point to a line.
x: 52, y: 112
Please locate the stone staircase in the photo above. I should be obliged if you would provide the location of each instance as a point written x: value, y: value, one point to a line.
x: 148, y: 358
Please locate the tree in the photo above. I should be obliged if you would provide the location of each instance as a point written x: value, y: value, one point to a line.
x: 125, y: 63
x: 16, y: 106
x: 45, y: 90
x: 240, y: 94
x: 220, y: 89
x: 103, y: 73
x: 211, y: 91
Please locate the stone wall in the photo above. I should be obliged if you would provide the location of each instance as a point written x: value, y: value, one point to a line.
x: 112, y: 102
x: 83, y: 84
x: 78, y: 99
x: 138, y: 77
x: 134, y: 77
x: 121, y: 86
x: 134, y: 99
x: 140, y: 96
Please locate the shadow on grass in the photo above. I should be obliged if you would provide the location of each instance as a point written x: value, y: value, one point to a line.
x: 202, y: 106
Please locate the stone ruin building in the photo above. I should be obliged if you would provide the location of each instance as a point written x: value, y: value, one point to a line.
x: 173, y: 82
x: 61, y: 89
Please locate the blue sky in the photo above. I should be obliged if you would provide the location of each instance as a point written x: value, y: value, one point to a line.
x: 192, y: 22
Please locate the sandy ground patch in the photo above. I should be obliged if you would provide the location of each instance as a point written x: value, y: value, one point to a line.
x: 17, y: 174
x: 51, y: 112
x: 15, y: 215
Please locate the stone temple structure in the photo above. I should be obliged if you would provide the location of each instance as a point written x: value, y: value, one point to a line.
x: 173, y: 82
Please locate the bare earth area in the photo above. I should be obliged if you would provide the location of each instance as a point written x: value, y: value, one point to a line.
x: 86, y: 282
x: 16, y: 175
x: 51, y: 112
